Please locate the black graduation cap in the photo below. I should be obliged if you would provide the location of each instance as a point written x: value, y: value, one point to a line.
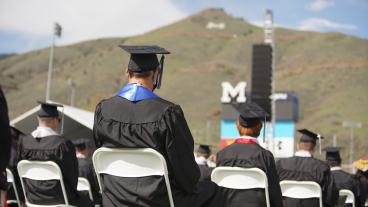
x: 204, y: 149
x: 143, y: 57
x: 48, y: 109
x: 250, y: 114
x: 309, y: 136
x: 81, y: 143
x: 332, y: 153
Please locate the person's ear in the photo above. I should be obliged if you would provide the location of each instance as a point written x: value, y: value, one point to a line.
x: 126, y: 72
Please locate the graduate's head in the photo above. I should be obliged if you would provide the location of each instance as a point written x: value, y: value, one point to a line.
x: 81, y: 146
x: 333, y: 157
x: 144, y: 66
x: 308, y: 140
x: 203, y: 151
x: 48, y: 115
x: 250, y: 119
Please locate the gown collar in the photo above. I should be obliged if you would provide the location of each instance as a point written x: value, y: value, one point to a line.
x: 43, y: 132
x: 201, y: 160
x: 134, y: 92
x: 336, y: 168
x: 246, y: 140
x: 303, y: 153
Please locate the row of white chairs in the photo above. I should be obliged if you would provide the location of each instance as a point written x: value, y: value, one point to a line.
x: 148, y: 162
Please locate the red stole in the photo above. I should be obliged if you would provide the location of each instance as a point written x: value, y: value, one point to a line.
x: 245, y: 141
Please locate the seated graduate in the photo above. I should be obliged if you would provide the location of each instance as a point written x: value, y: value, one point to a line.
x: 138, y: 118
x: 16, y: 134
x: 342, y: 179
x: 46, y: 144
x: 85, y: 167
x: 304, y: 167
x: 247, y: 153
x: 362, y: 175
x: 202, y: 154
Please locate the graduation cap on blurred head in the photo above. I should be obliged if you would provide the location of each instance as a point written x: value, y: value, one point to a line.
x: 250, y: 114
x: 204, y: 149
x: 333, y: 154
x: 81, y: 143
x: 49, y: 110
x: 143, y: 58
x: 15, y: 133
x: 309, y: 136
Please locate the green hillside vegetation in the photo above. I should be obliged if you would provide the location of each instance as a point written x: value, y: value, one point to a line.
x: 328, y: 71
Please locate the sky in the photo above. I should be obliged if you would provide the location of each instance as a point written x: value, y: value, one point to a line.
x: 27, y: 25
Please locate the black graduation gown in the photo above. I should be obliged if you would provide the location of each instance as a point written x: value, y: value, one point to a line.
x: 205, y: 172
x: 52, y: 148
x: 344, y: 180
x: 86, y: 171
x: 5, y: 140
x: 250, y: 156
x: 158, y: 124
x: 363, y: 184
x: 308, y: 169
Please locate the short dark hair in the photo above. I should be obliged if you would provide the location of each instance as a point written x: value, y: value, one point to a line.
x: 333, y: 163
x: 142, y: 75
x: 306, y: 145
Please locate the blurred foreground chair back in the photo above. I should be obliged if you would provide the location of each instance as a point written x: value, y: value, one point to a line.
x: 131, y: 163
x: 10, y: 179
x: 301, y: 190
x: 350, y: 198
x: 83, y: 185
x: 241, y: 178
x: 41, y: 170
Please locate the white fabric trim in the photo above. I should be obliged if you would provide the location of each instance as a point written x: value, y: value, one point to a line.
x: 303, y: 153
x: 336, y: 168
x: 80, y: 155
x: 43, y: 132
x: 250, y: 138
x: 201, y: 160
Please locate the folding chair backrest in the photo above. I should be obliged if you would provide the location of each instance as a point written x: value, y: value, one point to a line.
x: 349, y: 196
x: 83, y: 185
x: 41, y: 170
x: 131, y: 163
x: 301, y: 190
x: 10, y: 179
x: 240, y: 178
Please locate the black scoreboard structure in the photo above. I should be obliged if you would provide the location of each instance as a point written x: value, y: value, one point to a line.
x: 261, y: 83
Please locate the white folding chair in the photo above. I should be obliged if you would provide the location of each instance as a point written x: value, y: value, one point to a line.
x: 350, y: 198
x: 301, y: 190
x: 131, y: 163
x: 241, y: 178
x: 10, y: 179
x: 2, y: 198
x: 83, y: 185
x: 41, y: 170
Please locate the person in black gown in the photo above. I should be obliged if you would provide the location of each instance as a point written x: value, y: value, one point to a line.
x: 138, y: 118
x: 86, y: 167
x: 362, y: 175
x: 5, y: 144
x: 202, y: 154
x: 342, y: 179
x: 247, y: 153
x: 45, y: 144
x: 303, y: 167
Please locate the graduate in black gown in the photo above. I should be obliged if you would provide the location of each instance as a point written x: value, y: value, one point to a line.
x: 247, y: 153
x: 45, y: 144
x: 304, y: 167
x: 342, y: 179
x: 202, y: 154
x: 85, y: 166
x: 5, y: 143
x: 138, y: 118
x: 362, y: 175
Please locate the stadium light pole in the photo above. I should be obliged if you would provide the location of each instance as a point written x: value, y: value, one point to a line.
x: 352, y: 126
x: 269, y: 39
x: 56, y: 32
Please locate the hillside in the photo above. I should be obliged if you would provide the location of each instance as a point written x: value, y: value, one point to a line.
x: 328, y: 71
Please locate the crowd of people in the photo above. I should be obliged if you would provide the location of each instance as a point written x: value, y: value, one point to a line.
x: 136, y: 117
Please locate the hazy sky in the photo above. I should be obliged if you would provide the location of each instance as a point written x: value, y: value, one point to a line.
x: 27, y: 24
